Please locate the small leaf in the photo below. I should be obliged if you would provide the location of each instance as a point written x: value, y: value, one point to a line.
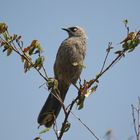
x: 18, y: 38
x: 91, y: 91
x: 125, y: 22
x: 22, y: 58
x: 31, y: 50
x: 66, y: 126
x: 98, y: 75
x: 50, y: 83
x: 80, y: 103
x: 5, y: 48
x: 9, y: 51
x: 3, y: 27
x: 44, y: 130
x: 55, y: 82
x: 5, y: 36
x: 37, y: 138
x: 35, y: 43
x: 27, y: 66
x: 15, y: 37
x: 2, y: 43
x: 39, y: 62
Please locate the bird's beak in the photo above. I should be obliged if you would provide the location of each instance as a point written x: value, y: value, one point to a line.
x: 65, y: 29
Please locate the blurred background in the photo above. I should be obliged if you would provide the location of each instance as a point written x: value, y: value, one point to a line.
x: 109, y: 108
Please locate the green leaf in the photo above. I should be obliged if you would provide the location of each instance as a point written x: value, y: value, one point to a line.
x: 44, y: 131
x: 125, y: 22
x: 5, y: 35
x: 39, y: 62
x: 55, y: 82
x: 50, y: 83
x: 31, y: 50
x: 80, y: 103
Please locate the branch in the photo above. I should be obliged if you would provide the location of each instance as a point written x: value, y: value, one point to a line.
x: 85, y: 126
x: 128, y: 45
x: 134, y: 121
x: 136, y: 124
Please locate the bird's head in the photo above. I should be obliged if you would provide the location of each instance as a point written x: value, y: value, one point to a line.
x: 76, y: 32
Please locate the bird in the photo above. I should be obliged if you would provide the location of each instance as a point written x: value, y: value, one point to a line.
x: 67, y: 69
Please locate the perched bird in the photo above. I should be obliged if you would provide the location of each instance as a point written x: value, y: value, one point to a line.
x: 67, y: 69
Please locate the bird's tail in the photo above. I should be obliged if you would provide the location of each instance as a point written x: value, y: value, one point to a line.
x: 52, y: 106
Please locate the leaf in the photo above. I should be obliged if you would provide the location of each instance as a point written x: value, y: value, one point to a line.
x: 91, y: 91
x: 98, y: 75
x: 26, y: 49
x: 22, y: 58
x: 80, y: 102
x: 5, y: 36
x: 9, y: 51
x: 2, y: 43
x: 66, y: 127
x: 50, y: 83
x: 125, y: 22
x: 31, y: 50
x: 15, y: 37
x: 44, y: 130
x: 3, y: 27
x: 37, y: 138
x: 55, y: 82
x: 35, y: 43
x: 5, y: 48
x: 27, y: 66
x: 18, y: 38
x: 39, y: 62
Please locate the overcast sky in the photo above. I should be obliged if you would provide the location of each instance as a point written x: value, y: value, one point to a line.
x: 110, y: 107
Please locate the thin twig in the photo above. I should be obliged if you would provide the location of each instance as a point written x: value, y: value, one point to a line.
x: 134, y: 121
x: 66, y: 118
x: 91, y: 131
x: 55, y: 129
x: 106, y: 69
x: 45, y: 71
x: 108, y: 51
x: 139, y: 118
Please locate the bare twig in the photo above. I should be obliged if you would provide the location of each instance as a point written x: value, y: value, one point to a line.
x: 91, y: 131
x: 107, y: 68
x: 139, y: 119
x: 136, y: 121
x: 108, y: 51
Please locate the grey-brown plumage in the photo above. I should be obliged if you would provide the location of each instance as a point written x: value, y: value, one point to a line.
x: 67, y: 70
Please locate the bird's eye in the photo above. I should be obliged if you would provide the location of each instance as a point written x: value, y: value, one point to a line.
x: 73, y: 29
